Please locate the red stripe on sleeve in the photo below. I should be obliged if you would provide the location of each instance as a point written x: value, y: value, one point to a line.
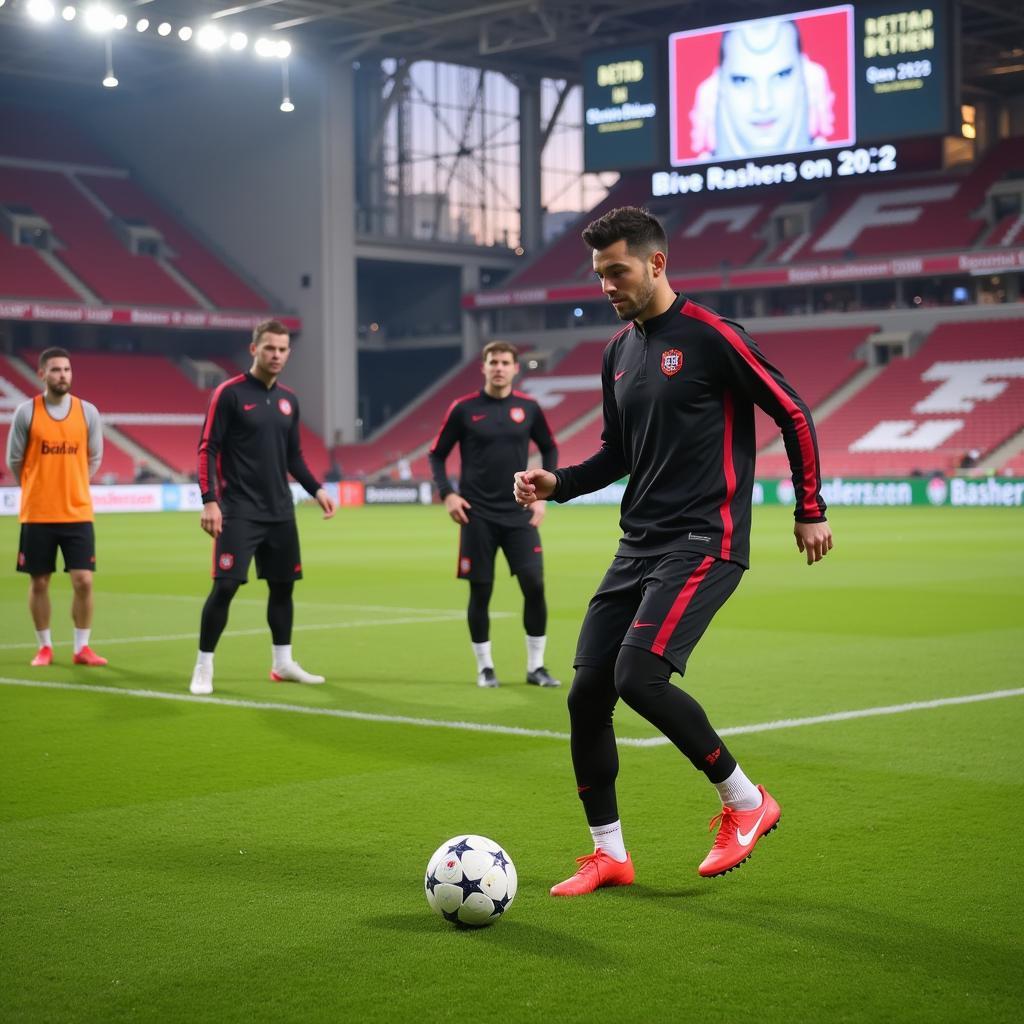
x: 730, y: 476
x: 204, y: 460
x: 683, y: 598
x: 803, y: 430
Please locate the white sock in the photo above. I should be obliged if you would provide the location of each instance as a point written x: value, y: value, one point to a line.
x: 205, y: 660
x: 81, y: 639
x: 535, y: 652
x: 738, y: 792
x: 44, y: 638
x: 282, y: 655
x: 609, y: 839
x: 482, y: 653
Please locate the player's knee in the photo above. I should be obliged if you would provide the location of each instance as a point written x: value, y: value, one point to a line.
x: 81, y: 582
x: 532, y: 585
x: 591, y: 694
x: 281, y: 589
x: 640, y: 675
x: 40, y: 584
x: 223, y: 591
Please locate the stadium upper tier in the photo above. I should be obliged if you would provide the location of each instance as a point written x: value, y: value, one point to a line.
x: 49, y: 173
x: 908, y: 214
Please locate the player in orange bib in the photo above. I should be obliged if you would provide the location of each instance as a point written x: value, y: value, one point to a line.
x: 55, y: 446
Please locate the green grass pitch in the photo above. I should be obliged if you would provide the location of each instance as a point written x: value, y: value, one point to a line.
x: 174, y: 860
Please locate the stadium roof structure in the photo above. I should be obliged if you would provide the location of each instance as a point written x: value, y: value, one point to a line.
x: 520, y: 37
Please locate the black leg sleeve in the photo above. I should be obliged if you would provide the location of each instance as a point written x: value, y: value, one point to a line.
x: 215, y: 613
x: 595, y: 758
x: 535, y: 609
x: 641, y: 680
x: 476, y: 615
x: 280, y: 611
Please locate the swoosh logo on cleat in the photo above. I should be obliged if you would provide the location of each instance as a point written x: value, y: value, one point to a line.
x: 746, y: 838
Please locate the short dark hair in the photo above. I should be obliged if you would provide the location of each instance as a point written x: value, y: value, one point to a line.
x: 643, y: 233
x: 268, y: 327
x: 499, y: 346
x: 52, y: 353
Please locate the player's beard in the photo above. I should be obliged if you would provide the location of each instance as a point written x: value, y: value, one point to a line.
x: 644, y: 294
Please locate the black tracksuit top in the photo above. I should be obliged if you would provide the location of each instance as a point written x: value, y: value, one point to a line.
x: 679, y: 394
x: 250, y: 443
x: 494, y: 436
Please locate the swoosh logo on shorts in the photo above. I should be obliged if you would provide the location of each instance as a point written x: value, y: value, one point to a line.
x: 746, y: 838
x: 246, y: 408
x: 621, y: 373
x: 643, y: 625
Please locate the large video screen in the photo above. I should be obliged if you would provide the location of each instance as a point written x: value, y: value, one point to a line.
x: 622, y: 109
x: 762, y: 88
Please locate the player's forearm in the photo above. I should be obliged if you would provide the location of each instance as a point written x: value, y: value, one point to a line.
x: 438, y: 472
x: 301, y: 472
x: 602, y: 468
x: 549, y: 458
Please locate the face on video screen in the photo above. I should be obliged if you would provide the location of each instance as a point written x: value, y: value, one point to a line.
x: 760, y: 88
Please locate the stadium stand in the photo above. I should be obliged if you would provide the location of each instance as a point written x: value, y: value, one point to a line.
x: 221, y: 286
x: 24, y: 275
x: 89, y: 248
x: 727, y: 233
x: 63, y: 177
x: 962, y: 391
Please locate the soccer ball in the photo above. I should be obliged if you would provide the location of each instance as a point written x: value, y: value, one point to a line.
x: 470, y: 880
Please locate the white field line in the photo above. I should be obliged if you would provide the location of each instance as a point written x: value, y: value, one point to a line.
x: 198, y: 600
x: 510, y: 730
x: 306, y: 627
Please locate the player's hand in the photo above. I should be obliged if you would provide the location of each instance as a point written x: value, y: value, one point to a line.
x: 456, y: 505
x: 533, y: 485
x: 537, y: 512
x: 326, y: 502
x: 211, y: 519
x: 814, y: 539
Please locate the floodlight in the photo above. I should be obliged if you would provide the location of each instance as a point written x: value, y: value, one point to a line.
x: 265, y: 47
x: 164, y: 29
x: 209, y: 37
x: 184, y: 33
x: 284, y: 49
x: 142, y: 24
x: 99, y: 18
x: 287, y: 106
x: 68, y: 14
x: 109, y: 81
x: 40, y: 10
x: 120, y: 21
x: 238, y: 41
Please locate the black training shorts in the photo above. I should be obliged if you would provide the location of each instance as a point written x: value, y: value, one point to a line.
x: 37, y: 547
x: 661, y: 603
x: 480, y: 539
x: 275, y: 545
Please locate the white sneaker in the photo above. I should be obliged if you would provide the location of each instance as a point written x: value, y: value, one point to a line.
x: 202, y: 681
x: 487, y: 679
x: 293, y: 672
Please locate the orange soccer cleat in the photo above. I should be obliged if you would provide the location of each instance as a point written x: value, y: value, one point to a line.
x: 87, y: 656
x: 596, y: 870
x: 44, y: 656
x: 738, y: 834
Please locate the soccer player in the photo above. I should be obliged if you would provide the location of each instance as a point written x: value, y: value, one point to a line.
x: 54, y: 448
x: 493, y: 428
x: 250, y: 442
x: 680, y: 384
